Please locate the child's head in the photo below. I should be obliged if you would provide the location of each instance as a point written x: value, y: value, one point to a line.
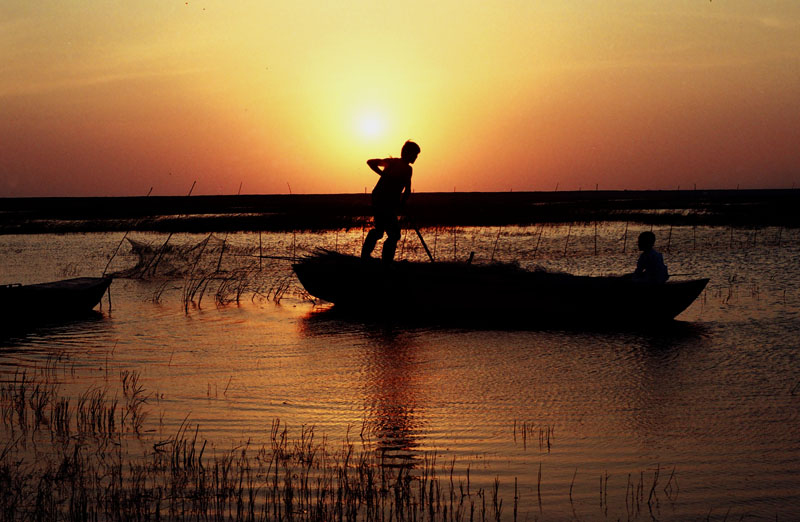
x: 646, y: 241
x: 410, y: 151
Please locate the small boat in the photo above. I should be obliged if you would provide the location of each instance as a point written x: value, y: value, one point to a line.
x: 64, y: 299
x: 489, y: 292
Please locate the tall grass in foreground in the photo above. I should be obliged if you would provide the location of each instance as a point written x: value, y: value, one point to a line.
x: 87, y: 460
x: 87, y: 478
x: 91, y: 458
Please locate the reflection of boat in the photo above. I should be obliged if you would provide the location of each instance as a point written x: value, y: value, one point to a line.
x: 492, y: 292
x: 58, y: 299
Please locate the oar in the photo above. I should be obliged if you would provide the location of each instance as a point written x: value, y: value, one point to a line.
x: 422, y: 239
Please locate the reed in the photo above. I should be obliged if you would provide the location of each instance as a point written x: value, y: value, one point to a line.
x: 292, y: 478
x: 525, y: 430
x: 159, y: 292
x: 135, y: 399
x: 102, y: 465
x: 98, y: 474
x: 194, y: 288
x: 202, y: 271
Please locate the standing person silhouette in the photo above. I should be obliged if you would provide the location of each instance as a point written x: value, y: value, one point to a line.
x: 388, y: 197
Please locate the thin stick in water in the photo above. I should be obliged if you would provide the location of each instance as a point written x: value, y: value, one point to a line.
x: 499, y: 230
x: 625, y: 238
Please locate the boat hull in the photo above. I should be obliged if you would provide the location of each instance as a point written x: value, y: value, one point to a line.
x: 63, y: 299
x: 490, y: 292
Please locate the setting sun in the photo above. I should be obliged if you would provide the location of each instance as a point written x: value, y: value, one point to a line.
x: 517, y: 95
x: 371, y: 126
x: 363, y: 253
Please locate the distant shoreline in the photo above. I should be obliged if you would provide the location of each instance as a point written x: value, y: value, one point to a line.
x: 743, y: 208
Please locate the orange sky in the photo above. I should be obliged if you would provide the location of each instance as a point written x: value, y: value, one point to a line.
x: 112, y: 98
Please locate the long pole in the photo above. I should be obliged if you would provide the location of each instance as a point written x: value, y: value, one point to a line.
x: 421, y: 239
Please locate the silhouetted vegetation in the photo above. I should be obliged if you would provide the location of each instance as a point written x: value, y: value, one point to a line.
x: 341, y: 211
x: 91, y: 458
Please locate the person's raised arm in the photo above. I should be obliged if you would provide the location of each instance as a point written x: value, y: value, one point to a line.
x: 376, y: 164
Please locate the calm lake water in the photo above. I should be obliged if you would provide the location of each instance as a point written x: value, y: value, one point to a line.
x: 708, y: 407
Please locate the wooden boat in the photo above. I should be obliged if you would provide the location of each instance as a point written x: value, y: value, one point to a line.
x: 55, y: 300
x: 490, y: 292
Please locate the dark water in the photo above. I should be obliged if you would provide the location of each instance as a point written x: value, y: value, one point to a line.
x: 709, y: 403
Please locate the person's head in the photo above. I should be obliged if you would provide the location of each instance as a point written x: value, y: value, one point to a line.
x: 646, y: 241
x: 410, y: 151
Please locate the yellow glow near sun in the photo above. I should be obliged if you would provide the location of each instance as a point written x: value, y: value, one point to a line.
x: 371, y: 125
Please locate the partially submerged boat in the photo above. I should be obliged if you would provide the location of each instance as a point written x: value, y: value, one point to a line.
x: 68, y: 298
x: 490, y: 292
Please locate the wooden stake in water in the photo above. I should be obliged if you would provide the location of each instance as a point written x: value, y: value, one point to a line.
x: 454, y: 244
x: 494, y: 249
x: 595, y: 237
x: 625, y: 238
x: 566, y: 243
x: 669, y: 238
x: 541, y: 231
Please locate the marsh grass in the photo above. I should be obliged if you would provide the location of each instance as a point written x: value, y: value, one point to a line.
x: 181, y: 478
x: 34, y: 404
x: 528, y: 431
x: 90, y: 458
x: 215, y: 268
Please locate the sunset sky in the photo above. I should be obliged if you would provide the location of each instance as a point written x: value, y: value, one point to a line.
x: 107, y: 98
